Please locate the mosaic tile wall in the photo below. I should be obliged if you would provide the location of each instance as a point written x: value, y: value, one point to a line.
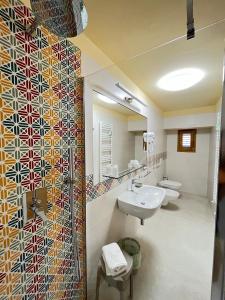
x: 41, y: 116
x: 95, y: 191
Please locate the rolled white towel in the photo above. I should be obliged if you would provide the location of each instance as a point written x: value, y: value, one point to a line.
x: 136, y: 164
x: 108, y: 170
x: 115, y: 262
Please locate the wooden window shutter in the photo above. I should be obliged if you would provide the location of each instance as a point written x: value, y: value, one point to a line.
x: 186, y: 140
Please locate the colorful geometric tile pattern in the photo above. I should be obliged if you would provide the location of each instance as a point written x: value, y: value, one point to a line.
x: 95, y: 191
x: 41, y: 115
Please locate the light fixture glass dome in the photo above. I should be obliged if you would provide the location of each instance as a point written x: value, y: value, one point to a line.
x: 180, y: 79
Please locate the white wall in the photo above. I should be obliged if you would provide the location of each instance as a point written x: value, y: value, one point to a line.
x: 135, y: 125
x: 191, y: 169
x: 212, y: 163
x: 88, y: 108
x: 214, y: 160
x: 190, y: 121
x: 139, y: 154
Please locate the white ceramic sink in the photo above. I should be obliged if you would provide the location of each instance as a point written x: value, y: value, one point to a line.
x: 142, y: 202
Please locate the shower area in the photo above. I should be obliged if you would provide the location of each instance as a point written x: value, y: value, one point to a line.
x: 42, y: 182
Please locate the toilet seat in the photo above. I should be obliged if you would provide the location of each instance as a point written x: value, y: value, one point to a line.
x: 173, y: 185
x: 170, y: 195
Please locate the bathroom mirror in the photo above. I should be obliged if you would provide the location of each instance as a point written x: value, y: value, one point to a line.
x: 118, y: 145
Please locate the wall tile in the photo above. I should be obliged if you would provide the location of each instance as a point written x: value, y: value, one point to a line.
x: 41, y: 115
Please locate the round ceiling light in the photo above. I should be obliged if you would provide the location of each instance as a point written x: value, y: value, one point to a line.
x: 180, y: 79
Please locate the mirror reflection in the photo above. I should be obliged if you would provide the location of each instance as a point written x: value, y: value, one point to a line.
x: 118, y: 138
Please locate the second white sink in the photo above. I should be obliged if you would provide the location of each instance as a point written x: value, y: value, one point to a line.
x: 142, y: 202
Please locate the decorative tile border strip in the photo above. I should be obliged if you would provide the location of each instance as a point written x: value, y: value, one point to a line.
x: 95, y: 191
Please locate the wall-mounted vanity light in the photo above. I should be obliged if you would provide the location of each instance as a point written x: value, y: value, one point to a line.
x: 128, y: 99
x: 105, y: 98
x: 131, y: 96
x: 129, y: 102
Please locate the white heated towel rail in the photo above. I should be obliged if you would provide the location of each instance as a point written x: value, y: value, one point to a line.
x: 105, y: 147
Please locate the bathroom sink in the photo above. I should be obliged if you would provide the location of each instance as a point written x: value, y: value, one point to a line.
x: 142, y: 202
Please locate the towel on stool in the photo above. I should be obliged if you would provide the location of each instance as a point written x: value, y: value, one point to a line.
x: 115, y: 262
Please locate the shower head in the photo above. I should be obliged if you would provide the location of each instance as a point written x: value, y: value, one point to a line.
x: 65, y: 18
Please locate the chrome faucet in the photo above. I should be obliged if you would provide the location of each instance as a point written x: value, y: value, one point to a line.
x: 134, y: 183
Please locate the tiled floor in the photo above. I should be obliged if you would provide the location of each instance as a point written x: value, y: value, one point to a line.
x: 177, y: 248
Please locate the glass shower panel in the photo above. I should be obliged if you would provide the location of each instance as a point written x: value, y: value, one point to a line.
x: 69, y: 145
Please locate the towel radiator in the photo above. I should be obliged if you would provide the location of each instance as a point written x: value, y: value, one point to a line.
x: 105, y: 147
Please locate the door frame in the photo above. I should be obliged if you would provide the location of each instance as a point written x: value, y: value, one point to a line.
x: 218, y: 276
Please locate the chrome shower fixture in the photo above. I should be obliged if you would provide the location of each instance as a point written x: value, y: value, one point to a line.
x: 65, y: 18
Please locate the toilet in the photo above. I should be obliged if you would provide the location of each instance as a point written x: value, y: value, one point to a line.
x: 170, y: 195
x: 169, y: 184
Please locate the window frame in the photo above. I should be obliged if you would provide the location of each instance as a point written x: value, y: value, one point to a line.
x: 180, y: 147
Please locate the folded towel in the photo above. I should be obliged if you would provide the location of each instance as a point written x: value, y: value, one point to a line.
x: 115, y: 262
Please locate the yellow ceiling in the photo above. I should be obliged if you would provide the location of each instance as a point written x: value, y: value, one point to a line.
x: 126, y: 30
x: 205, y: 52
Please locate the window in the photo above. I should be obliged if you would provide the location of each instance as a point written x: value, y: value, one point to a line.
x: 186, y: 141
